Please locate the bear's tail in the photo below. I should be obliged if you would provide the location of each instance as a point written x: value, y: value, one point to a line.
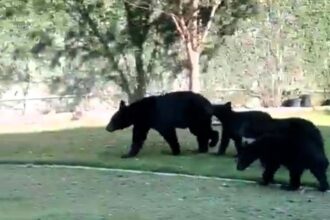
x: 311, y: 134
x: 318, y: 138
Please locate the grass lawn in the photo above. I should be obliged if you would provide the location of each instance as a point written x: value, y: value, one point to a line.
x: 70, y: 194
x: 95, y: 147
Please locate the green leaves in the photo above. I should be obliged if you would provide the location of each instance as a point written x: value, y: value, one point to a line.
x: 96, y: 37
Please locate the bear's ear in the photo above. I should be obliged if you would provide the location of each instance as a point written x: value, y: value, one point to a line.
x: 122, y: 104
x: 228, y: 105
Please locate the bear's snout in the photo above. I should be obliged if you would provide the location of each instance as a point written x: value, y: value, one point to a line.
x: 109, y: 128
x: 240, y: 167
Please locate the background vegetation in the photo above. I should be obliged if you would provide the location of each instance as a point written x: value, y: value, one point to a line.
x: 123, y: 48
x: 92, y: 53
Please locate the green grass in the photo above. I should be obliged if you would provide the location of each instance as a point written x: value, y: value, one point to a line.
x: 56, y: 193
x: 95, y: 147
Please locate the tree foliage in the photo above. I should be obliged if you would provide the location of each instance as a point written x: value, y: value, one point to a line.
x: 114, y: 39
x: 192, y: 21
x: 270, y: 54
x: 138, y: 44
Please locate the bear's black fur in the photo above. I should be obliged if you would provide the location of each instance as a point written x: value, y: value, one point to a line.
x: 234, y: 124
x: 325, y: 102
x: 164, y: 113
x: 294, y: 143
x: 293, y: 126
x: 294, y: 102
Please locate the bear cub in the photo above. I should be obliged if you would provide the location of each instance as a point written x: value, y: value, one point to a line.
x: 298, y: 147
x: 234, y: 124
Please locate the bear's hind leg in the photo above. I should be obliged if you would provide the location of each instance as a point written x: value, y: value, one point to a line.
x: 171, y: 138
x: 295, y: 176
x: 202, y: 136
x: 202, y: 140
x: 321, y: 176
x: 214, y: 136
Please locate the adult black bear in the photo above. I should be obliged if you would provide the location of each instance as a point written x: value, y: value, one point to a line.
x: 164, y: 113
x: 234, y: 124
x: 294, y: 143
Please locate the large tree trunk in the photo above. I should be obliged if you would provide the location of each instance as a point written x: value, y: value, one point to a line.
x: 194, y: 70
x: 193, y: 50
x: 141, y: 80
x: 137, y: 17
x: 193, y: 35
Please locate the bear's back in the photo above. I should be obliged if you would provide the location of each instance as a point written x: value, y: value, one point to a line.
x: 180, y: 108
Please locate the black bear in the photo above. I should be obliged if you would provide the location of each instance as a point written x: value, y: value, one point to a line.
x: 294, y: 102
x: 326, y: 102
x: 165, y: 113
x: 234, y: 124
x: 296, y: 144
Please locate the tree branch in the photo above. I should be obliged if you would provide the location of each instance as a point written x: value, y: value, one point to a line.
x: 177, y: 25
x: 94, y: 27
x: 208, y: 25
x: 194, y: 26
x: 151, y: 63
x: 124, y: 82
x: 128, y: 69
x: 186, y: 32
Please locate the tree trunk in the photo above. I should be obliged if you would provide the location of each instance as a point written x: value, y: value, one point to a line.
x: 141, y: 80
x: 194, y: 74
x: 193, y: 50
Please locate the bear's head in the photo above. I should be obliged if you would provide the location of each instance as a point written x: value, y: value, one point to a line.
x: 247, y: 155
x: 121, y: 119
x: 222, y: 111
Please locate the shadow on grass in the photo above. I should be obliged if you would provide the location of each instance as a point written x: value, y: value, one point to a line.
x: 96, y: 148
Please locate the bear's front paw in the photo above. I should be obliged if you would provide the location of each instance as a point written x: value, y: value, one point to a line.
x: 220, y: 153
x: 263, y: 183
x: 198, y: 151
x: 125, y: 156
x: 289, y: 187
x: 323, y: 188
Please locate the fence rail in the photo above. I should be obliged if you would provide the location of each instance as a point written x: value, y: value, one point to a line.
x: 42, y: 98
x: 148, y: 94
